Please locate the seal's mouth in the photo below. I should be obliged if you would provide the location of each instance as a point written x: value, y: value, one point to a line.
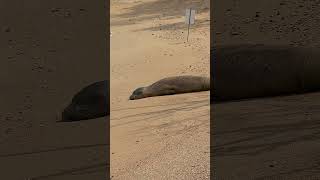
x: 65, y: 115
x: 71, y: 113
x: 132, y: 97
x: 137, y: 94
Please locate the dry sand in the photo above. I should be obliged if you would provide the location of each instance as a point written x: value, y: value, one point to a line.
x: 161, y: 137
x: 49, y: 51
x: 274, y: 138
x: 268, y: 138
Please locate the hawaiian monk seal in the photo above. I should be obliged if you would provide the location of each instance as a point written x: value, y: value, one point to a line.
x: 256, y: 70
x: 173, y: 85
x: 89, y: 103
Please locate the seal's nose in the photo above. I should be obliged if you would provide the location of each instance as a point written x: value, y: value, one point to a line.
x: 59, y: 116
x: 64, y: 115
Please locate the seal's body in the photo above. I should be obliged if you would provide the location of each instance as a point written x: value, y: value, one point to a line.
x: 89, y: 103
x: 173, y: 85
x: 256, y: 70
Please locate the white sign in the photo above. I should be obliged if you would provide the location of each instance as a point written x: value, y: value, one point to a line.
x: 190, y: 16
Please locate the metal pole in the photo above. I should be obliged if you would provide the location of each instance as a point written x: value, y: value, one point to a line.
x: 189, y: 24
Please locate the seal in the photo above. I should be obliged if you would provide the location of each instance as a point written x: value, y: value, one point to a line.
x: 172, y: 85
x: 89, y: 103
x: 260, y: 70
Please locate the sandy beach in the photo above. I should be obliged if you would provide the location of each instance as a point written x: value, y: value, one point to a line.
x: 161, y: 137
x: 267, y: 138
x: 49, y: 52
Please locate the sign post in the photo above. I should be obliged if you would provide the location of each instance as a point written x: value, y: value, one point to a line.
x: 190, y: 16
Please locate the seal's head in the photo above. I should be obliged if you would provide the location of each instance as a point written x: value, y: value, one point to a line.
x: 91, y: 108
x: 75, y: 112
x: 138, y: 94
